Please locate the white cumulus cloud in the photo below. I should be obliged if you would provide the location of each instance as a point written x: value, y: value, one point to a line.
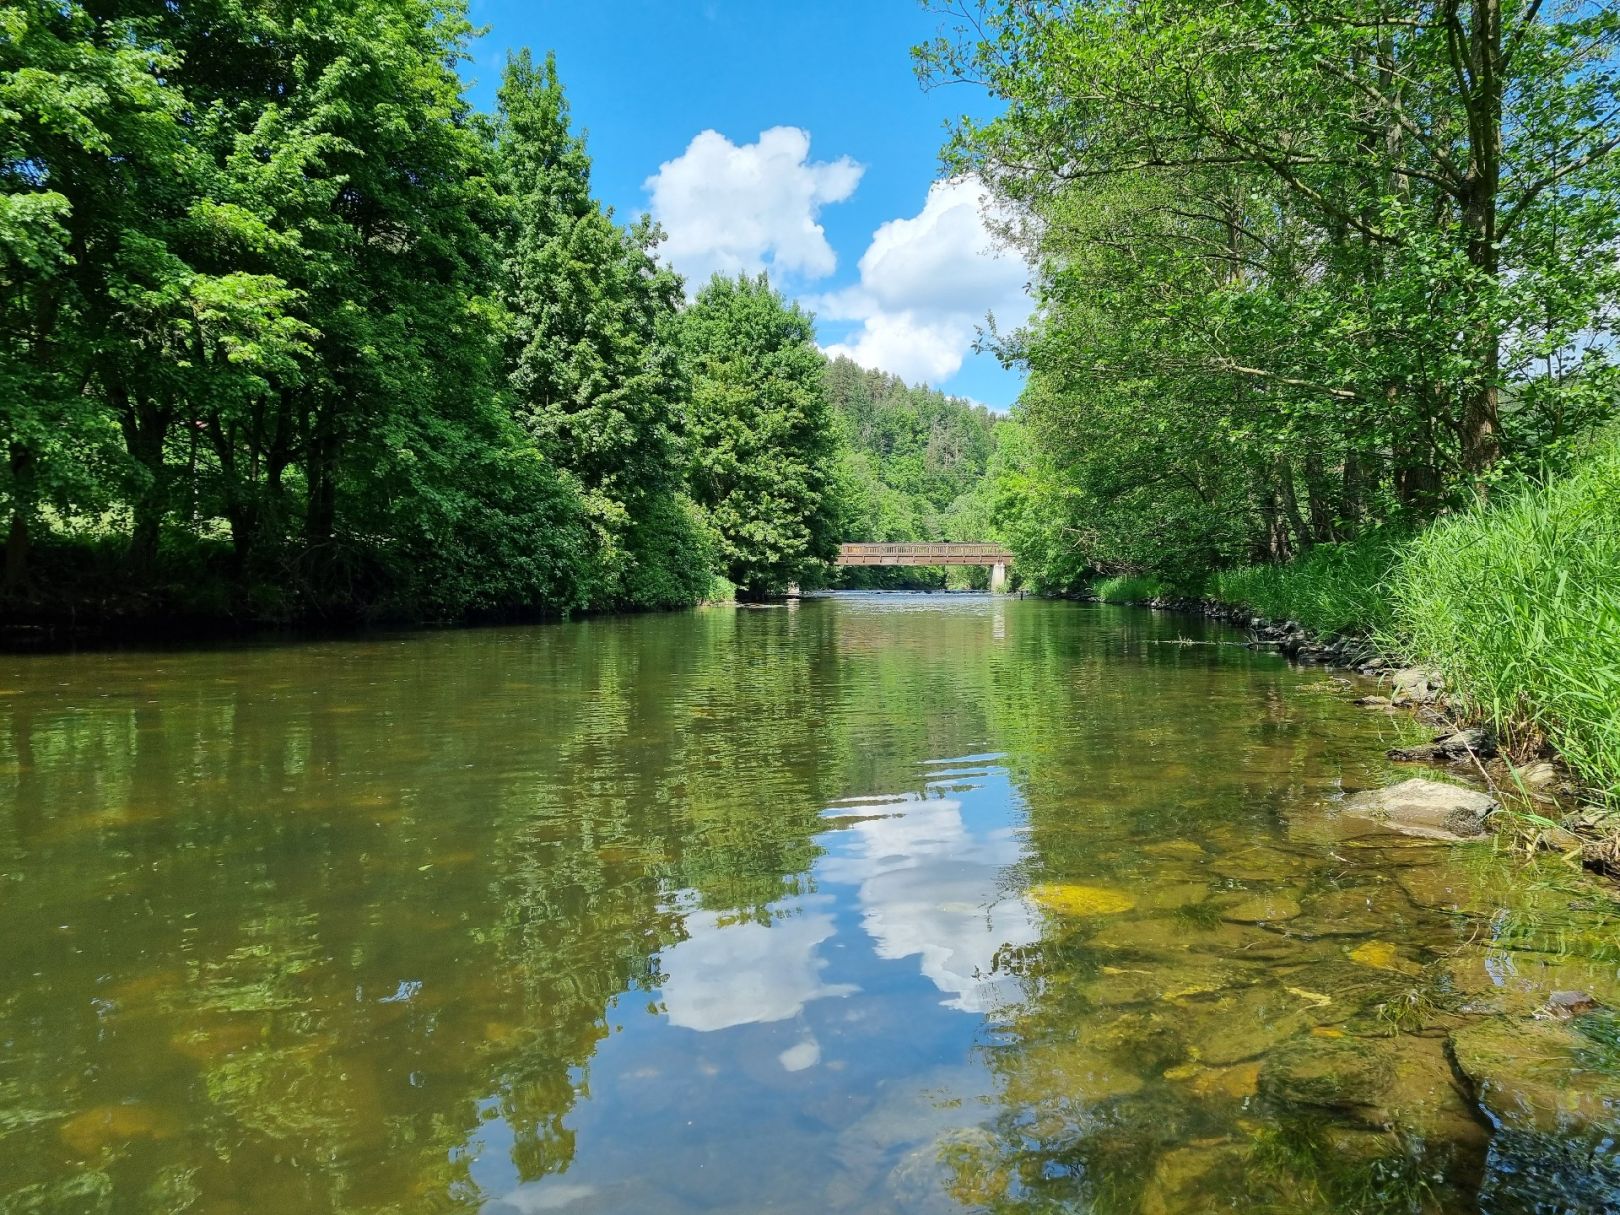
x: 745, y: 208
x: 926, y: 284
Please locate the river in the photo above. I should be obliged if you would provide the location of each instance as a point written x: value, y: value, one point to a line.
x: 865, y: 903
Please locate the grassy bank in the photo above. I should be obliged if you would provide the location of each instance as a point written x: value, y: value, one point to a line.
x: 1518, y: 603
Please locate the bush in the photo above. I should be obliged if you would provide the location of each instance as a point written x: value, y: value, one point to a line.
x: 1128, y: 588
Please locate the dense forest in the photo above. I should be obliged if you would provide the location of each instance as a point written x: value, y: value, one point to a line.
x: 291, y: 332
x: 912, y: 467
x: 1302, y: 274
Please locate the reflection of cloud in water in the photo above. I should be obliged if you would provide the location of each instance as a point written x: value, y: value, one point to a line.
x: 797, y: 1058
x: 541, y: 1196
x: 928, y: 886
x: 736, y: 974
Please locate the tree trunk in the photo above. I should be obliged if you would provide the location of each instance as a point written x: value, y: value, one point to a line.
x: 22, y: 462
x: 1479, y: 426
x: 1323, y: 517
x: 145, y: 428
x: 1303, y: 538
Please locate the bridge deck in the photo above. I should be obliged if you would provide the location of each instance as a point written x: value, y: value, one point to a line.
x: 924, y: 554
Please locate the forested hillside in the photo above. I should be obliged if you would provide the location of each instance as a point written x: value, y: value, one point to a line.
x: 289, y: 331
x: 913, y: 467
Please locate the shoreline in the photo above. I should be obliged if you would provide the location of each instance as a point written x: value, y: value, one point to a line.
x: 1519, y: 783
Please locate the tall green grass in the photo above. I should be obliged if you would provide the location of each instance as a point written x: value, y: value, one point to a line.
x: 1129, y: 588
x: 1334, y: 588
x: 1519, y: 604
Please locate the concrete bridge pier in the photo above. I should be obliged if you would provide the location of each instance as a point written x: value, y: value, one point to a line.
x: 998, y: 578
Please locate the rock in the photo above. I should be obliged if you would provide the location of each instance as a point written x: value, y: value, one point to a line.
x: 1383, y: 955
x: 1255, y: 864
x: 1075, y: 899
x: 1540, y: 775
x: 963, y: 1165
x: 1194, y: 1180
x: 1372, y: 702
x: 1565, y: 1004
x: 1245, y: 1025
x: 1169, y: 896
x: 1144, y: 1040
x: 1540, y: 1075
x: 1063, y: 1072
x: 1416, y: 686
x: 1552, y: 1093
x: 1268, y: 908
x: 1334, y: 1073
x: 112, y: 1127
x: 1236, y: 1082
x: 1457, y: 744
x: 1149, y: 983
x: 1180, y: 850
x: 1424, y: 808
x: 1355, y: 912
x: 1560, y: 839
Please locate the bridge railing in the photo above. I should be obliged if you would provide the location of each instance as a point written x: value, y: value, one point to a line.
x: 924, y: 554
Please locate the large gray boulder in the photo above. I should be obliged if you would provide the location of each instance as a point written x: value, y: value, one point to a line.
x: 1427, y: 808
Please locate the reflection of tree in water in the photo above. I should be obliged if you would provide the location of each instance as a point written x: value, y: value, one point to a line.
x: 330, y: 908
x: 352, y: 893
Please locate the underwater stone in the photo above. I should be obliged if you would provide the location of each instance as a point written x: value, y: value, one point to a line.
x: 1427, y: 808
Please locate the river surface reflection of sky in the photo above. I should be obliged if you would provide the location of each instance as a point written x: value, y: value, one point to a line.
x: 790, y: 1019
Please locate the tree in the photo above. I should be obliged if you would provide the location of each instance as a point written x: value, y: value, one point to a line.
x: 1301, y: 272
x: 761, y: 440
x: 1421, y: 151
x: 593, y: 368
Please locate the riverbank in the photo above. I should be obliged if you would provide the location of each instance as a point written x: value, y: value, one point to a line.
x: 1501, y: 625
x: 1515, y: 604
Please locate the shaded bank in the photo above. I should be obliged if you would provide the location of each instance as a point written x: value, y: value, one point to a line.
x: 1516, y: 605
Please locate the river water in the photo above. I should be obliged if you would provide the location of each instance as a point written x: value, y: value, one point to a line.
x: 868, y: 903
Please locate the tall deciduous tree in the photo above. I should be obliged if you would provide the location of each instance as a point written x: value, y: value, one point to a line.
x: 1303, y: 270
x: 594, y: 373
x: 762, y: 445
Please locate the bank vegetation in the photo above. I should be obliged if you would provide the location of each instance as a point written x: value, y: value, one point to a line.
x: 1326, y: 317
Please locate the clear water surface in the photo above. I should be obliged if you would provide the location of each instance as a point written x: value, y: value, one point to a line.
x: 868, y: 903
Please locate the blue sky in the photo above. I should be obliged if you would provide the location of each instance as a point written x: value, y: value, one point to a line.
x: 816, y: 121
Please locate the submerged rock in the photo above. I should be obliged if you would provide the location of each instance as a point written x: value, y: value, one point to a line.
x: 1541, y: 1076
x: 1335, y: 1073
x: 1427, y: 808
x: 1395, y: 1084
x: 1269, y: 907
x: 1552, y: 1092
x: 1566, y: 1004
x: 1195, y: 1179
x: 1071, y: 898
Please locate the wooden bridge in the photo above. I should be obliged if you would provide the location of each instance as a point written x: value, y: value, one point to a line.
x: 996, y: 556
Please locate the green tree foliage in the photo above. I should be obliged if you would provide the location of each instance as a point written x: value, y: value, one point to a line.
x: 594, y: 372
x: 1301, y: 272
x: 762, y: 444
x: 291, y: 331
